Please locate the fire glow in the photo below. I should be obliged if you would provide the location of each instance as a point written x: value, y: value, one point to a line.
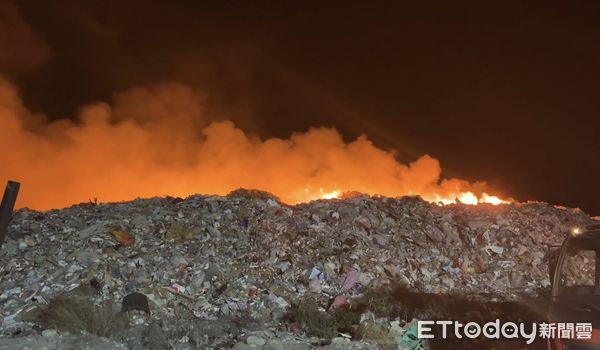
x: 158, y: 141
x: 467, y: 197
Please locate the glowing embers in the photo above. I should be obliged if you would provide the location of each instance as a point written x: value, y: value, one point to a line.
x: 467, y: 197
x: 330, y: 195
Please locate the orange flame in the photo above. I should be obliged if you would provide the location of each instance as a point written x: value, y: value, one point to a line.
x: 467, y: 197
x: 330, y: 195
x: 486, y: 198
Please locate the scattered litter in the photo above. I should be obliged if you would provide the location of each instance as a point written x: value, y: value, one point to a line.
x: 210, y: 257
x: 135, y: 301
x: 350, y: 280
x: 408, y: 338
x: 496, y: 249
x: 315, y: 273
x: 338, y: 302
x: 123, y: 237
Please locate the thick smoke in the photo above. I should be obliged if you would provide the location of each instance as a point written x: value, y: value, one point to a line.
x: 21, y: 49
x: 159, y: 141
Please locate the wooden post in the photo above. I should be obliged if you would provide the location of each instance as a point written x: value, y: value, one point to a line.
x: 6, y: 208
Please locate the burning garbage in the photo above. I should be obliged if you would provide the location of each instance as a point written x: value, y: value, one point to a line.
x: 159, y: 156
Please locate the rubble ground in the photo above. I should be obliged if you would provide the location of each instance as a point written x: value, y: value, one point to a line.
x: 222, y: 272
x: 398, y: 303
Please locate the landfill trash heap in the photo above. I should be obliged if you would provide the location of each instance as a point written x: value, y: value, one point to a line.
x: 246, y: 253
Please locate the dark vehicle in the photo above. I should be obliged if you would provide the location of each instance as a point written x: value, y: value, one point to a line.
x: 575, y: 305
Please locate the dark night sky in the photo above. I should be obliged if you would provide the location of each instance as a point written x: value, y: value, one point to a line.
x: 506, y: 93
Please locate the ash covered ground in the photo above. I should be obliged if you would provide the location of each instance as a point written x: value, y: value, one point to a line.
x: 248, y: 272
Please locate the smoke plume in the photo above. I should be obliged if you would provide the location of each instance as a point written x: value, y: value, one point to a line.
x: 159, y: 141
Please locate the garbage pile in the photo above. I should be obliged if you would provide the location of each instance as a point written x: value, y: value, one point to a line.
x: 248, y: 255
